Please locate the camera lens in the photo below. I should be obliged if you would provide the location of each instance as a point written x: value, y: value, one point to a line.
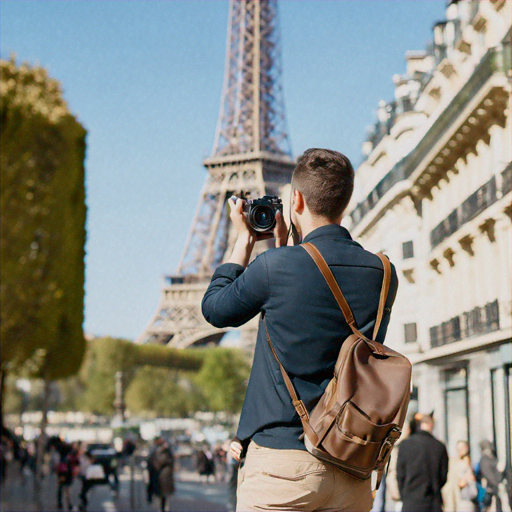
x: 262, y: 218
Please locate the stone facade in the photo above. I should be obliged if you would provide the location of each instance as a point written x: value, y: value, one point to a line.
x: 434, y: 193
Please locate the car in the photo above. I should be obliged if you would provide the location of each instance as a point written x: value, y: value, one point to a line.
x: 106, y: 455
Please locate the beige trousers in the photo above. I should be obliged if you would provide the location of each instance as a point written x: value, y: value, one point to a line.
x: 272, y: 479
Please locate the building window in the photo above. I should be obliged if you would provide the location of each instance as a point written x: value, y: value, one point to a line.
x: 410, y: 332
x: 456, y: 407
x: 408, y: 250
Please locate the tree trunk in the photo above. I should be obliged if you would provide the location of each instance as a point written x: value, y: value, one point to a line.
x: 41, y: 443
x: 2, y: 388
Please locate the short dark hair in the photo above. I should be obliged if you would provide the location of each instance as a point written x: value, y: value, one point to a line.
x: 326, y: 179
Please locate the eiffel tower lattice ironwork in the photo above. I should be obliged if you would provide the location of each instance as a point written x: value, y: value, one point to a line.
x: 251, y: 153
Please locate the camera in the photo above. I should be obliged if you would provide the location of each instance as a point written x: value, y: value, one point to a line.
x: 261, y: 213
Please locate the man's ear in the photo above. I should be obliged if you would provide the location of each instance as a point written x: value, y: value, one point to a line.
x: 298, y: 202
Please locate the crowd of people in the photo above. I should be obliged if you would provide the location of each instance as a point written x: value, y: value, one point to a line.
x: 422, y: 478
x: 211, y: 464
x: 64, y: 464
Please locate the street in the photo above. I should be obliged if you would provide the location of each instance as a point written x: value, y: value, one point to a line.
x: 191, y: 494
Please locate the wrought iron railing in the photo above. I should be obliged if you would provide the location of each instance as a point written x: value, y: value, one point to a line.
x: 506, y: 179
x: 479, y: 320
x: 469, y: 209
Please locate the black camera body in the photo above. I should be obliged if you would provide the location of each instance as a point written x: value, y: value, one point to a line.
x: 261, y: 213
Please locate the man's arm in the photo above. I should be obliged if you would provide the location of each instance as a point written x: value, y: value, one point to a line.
x: 443, y: 468
x: 236, y: 295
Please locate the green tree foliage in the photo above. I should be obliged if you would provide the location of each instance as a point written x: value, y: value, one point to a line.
x: 158, y: 381
x: 162, y: 356
x: 161, y: 392
x: 42, y: 225
x: 106, y: 356
x: 223, y: 379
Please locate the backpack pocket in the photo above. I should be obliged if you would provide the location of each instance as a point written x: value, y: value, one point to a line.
x: 354, y: 439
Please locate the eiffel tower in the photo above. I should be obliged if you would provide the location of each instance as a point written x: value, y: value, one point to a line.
x: 251, y: 154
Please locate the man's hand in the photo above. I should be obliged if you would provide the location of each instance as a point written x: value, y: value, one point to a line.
x: 237, y: 216
x: 280, y: 230
x: 235, y: 449
x: 247, y: 237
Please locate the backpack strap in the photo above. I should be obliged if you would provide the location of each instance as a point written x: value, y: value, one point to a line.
x: 342, y: 302
x: 386, y: 282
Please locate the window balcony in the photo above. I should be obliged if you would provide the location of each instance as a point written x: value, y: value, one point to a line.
x: 479, y: 320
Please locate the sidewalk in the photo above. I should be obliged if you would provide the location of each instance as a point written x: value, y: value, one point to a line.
x: 191, y: 495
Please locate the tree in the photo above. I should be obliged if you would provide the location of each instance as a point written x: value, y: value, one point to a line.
x: 42, y: 231
x: 223, y: 379
x: 163, y: 392
x: 106, y: 356
x: 42, y: 226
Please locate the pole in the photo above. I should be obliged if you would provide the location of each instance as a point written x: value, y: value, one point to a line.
x: 119, y: 396
x: 132, y: 481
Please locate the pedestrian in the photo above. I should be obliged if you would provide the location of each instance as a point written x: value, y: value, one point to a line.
x: 164, y: 466
x: 205, y: 462
x: 462, y: 490
x: 24, y: 459
x: 4, y: 458
x: 219, y: 460
x: 392, y: 500
x: 64, y: 473
x: 232, y: 464
x: 92, y: 474
x: 152, y: 485
x: 489, y: 477
x: 306, y: 327
x: 422, y: 468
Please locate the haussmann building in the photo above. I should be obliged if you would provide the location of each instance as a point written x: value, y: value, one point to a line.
x: 434, y: 193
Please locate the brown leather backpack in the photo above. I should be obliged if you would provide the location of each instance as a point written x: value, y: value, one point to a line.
x: 362, y: 411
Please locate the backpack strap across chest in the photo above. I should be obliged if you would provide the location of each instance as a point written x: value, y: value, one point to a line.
x: 350, y: 319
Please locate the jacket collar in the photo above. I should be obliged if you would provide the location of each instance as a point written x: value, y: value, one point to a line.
x: 330, y: 230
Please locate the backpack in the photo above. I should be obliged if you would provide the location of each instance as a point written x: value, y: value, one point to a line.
x: 361, y: 413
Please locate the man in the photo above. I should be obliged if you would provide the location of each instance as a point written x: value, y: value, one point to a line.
x: 306, y: 327
x: 488, y: 470
x: 422, y: 469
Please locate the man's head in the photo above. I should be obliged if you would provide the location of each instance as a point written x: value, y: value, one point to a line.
x: 322, y: 185
x: 462, y: 449
x: 425, y: 421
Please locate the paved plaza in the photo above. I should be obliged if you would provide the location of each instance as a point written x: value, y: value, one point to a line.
x: 192, y: 494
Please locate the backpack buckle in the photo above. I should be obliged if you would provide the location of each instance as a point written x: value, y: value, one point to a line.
x: 387, y: 445
x: 300, y: 408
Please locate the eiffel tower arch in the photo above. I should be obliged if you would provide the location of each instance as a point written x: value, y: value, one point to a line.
x: 251, y: 154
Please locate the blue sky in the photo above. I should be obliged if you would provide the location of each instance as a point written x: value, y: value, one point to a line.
x: 145, y: 78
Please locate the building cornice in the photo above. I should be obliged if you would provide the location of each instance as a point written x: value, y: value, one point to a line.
x: 459, y: 348
x: 427, y: 163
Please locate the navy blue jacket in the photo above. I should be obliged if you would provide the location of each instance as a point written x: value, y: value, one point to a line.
x: 305, y: 324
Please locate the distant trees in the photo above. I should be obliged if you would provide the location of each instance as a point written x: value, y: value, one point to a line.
x: 158, y: 381
x: 42, y: 226
x: 162, y: 392
x: 161, y: 381
x: 106, y: 356
x: 219, y: 385
x: 223, y: 378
